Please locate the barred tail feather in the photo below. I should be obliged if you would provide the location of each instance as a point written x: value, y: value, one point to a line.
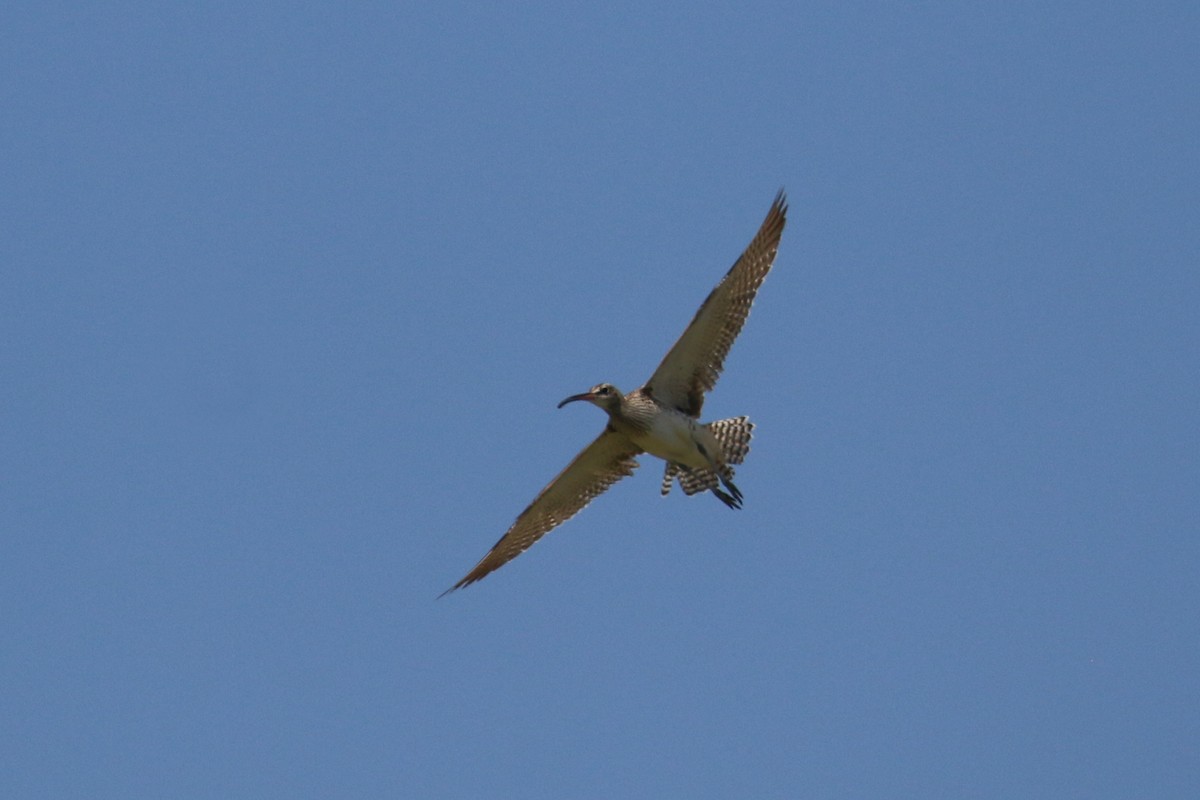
x: 734, y: 437
x: 669, y: 477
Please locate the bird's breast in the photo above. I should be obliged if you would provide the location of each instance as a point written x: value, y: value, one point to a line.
x: 671, y: 436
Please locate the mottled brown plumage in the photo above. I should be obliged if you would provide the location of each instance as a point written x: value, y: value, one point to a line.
x: 693, y: 364
x: 660, y: 418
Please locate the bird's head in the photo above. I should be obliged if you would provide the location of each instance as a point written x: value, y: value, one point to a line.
x: 604, y: 395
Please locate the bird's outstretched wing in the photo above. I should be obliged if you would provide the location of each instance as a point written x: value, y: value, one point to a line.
x: 601, y: 464
x: 694, y: 363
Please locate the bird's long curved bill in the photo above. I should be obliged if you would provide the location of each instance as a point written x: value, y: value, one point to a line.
x: 574, y: 397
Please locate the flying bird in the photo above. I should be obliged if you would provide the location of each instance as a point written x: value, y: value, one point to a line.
x: 662, y: 417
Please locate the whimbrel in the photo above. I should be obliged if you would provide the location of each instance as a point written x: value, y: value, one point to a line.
x: 662, y: 417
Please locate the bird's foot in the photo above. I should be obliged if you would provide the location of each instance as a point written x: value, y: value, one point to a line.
x: 734, y: 500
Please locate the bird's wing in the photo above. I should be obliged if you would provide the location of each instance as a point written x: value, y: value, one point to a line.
x: 601, y: 464
x: 694, y: 363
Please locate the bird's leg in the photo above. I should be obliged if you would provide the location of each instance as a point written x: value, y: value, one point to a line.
x: 726, y: 499
x: 734, y: 501
x: 733, y: 490
x: 734, y: 498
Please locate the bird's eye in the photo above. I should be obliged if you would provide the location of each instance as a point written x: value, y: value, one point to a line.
x: 603, y: 390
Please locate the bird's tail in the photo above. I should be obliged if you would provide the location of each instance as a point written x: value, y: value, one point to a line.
x: 734, y: 437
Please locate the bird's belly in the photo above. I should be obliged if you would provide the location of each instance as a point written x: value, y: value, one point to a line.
x: 671, y: 437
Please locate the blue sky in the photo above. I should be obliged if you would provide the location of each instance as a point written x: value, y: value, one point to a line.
x: 288, y: 294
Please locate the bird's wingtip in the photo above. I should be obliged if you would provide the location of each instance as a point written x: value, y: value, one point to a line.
x: 466, y: 581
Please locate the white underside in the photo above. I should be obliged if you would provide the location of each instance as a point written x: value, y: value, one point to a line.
x: 673, y: 437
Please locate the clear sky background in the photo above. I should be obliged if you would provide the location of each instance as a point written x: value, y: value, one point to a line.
x: 288, y: 294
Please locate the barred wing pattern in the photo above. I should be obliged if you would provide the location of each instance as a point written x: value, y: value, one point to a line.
x: 694, y: 363
x: 601, y: 464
